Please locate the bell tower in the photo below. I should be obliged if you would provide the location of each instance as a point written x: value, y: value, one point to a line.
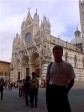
x: 81, y: 10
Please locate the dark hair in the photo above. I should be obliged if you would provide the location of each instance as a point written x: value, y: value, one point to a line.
x: 33, y: 74
x: 57, y: 47
x: 27, y: 78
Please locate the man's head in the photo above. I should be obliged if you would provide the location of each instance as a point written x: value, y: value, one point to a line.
x: 33, y: 74
x: 57, y: 53
x: 27, y: 78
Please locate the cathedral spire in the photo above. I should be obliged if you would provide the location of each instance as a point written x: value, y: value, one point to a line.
x: 29, y: 10
x: 35, y: 15
x: 81, y: 10
x: 28, y: 18
x: 36, y: 11
x: 28, y: 14
x: 35, y: 23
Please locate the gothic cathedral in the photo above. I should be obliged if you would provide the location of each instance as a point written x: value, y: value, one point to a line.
x: 32, y: 49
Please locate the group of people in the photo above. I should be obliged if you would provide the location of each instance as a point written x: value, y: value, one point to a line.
x: 29, y: 88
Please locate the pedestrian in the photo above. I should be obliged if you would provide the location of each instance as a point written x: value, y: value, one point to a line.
x: 23, y: 88
x: 34, y: 84
x: 20, y: 88
x: 27, y: 90
x: 59, y: 80
x: 1, y: 87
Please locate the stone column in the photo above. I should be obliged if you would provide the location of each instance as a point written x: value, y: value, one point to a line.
x: 30, y: 66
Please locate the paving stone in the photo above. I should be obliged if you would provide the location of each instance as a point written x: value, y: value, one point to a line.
x: 12, y: 103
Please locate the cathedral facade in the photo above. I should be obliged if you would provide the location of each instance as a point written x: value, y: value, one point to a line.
x: 32, y: 49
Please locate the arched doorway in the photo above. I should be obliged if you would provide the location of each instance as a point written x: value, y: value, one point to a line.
x: 17, y: 69
x: 36, y: 63
x: 25, y: 65
x: 38, y: 71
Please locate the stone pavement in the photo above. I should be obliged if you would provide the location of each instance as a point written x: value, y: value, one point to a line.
x: 12, y: 103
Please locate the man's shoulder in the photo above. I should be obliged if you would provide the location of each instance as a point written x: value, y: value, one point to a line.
x: 50, y: 63
x: 67, y: 63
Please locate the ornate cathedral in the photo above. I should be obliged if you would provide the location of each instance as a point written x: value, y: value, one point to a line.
x: 32, y: 49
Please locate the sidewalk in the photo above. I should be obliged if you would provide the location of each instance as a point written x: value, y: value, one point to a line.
x: 12, y: 102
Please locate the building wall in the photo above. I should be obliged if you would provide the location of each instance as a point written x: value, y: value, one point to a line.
x: 81, y: 9
x: 5, y: 70
x: 35, y: 53
x: 20, y: 59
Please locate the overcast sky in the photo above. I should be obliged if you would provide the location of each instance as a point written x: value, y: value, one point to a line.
x: 62, y: 14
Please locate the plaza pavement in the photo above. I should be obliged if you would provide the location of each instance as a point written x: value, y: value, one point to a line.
x: 12, y: 102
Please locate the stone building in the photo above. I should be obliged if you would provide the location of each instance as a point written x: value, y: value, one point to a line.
x: 5, y: 70
x: 32, y: 49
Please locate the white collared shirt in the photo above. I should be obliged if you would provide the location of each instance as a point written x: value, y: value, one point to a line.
x: 60, y: 73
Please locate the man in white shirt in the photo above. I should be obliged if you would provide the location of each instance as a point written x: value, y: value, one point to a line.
x: 59, y: 80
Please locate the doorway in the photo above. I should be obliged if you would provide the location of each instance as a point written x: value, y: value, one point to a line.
x: 38, y: 71
x: 18, y: 75
x: 27, y: 72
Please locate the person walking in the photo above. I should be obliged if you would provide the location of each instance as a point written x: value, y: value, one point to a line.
x: 34, y: 84
x: 23, y: 87
x: 20, y: 88
x: 59, y: 80
x: 1, y: 87
x: 27, y: 90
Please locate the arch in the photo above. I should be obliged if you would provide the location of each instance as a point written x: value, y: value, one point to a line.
x: 25, y: 66
x: 17, y: 62
x: 35, y: 60
x: 25, y: 60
